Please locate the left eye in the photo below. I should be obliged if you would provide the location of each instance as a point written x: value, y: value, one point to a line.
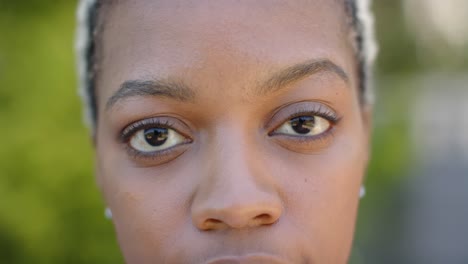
x: 156, y: 139
x: 304, y: 126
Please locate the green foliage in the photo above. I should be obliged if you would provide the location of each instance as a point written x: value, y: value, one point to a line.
x: 50, y: 211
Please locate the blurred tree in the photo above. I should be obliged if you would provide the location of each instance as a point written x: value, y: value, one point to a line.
x: 50, y: 211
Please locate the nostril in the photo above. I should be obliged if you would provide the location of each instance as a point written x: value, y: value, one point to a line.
x: 212, y: 223
x: 264, y: 219
x: 253, y: 212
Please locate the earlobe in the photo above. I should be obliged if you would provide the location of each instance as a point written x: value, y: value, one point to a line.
x: 362, y: 191
x: 108, y: 213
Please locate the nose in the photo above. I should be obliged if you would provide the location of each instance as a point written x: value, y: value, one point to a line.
x: 240, y: 204
x: 237, y: 192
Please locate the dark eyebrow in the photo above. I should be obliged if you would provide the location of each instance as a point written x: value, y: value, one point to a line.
x: 175, y: 90
x: 181, y: 92
x: 300, y: 71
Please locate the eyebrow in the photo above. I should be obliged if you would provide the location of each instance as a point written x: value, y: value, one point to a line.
x: 170, y: 89
x: 299, y: 71
x: 181, y: 92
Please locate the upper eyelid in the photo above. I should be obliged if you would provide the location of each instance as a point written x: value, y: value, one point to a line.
x: 142, y: 123
x: 279, y: 115
x: 330, y: 116
x: 163, y: 121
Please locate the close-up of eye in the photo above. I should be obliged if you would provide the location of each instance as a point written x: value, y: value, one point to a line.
x: 159, y: 138
x: 155, y: 139
x: 304, y: 126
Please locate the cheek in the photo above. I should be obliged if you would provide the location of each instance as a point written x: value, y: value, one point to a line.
x: 149, y: 206
x: 140, y: 210
x: 322, y: 193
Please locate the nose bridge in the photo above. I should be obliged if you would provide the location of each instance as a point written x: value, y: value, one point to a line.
x: 236, y: 190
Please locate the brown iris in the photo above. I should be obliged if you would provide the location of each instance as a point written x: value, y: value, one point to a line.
x: 156, y: 136
x: 302, y: 124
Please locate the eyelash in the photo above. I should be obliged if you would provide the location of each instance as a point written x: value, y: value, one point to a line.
x: 133, y: 128
x: 316, y: 110
x: 129, y: 131
x: 306, y: 143
x: 327, y: 114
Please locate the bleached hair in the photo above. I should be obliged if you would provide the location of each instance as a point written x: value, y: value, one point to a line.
x: 83, y: 44
x: 363, y: 36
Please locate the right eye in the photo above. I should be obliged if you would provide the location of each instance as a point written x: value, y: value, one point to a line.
x: 306, y: 126
x: 156, y: 139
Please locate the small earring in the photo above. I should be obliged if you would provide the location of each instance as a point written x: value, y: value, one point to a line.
x: 362, y: 191
x: 108, y: 213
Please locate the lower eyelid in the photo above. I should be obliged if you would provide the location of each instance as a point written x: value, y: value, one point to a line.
x: 305, y: 144
x: 158, y: 157
x: 304, y: 138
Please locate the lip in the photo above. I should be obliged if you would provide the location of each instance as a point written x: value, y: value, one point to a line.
x: 249, y: 259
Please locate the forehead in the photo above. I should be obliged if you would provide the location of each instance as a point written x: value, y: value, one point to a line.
x: 232, y: 38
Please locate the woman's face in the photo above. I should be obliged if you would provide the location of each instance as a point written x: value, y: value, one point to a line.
x: 230, y: 131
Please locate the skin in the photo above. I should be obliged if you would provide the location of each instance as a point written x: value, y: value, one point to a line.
x: 224, y: 74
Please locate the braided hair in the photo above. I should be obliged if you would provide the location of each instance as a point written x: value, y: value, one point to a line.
x: 360, y: 19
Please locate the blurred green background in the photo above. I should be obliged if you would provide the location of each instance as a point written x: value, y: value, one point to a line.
x: 50, y: 208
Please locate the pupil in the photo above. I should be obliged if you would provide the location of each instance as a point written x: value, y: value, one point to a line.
x: 156, y: 136
x: 303, y: 124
